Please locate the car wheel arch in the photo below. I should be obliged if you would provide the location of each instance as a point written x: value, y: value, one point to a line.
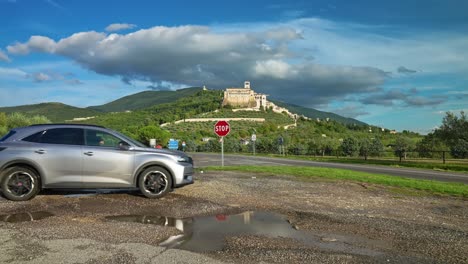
x: 150, y: 164
x: 24, y: 164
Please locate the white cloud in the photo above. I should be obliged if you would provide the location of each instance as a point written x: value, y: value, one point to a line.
x: 4, y: 57
x: 119, y: 26
x: 12, y: 72
x: 363, y: 45
x: 197, y: 55
x: 348, y: 59
x: 273, y: 68
x: 41, y: 77
x: 18, y: 49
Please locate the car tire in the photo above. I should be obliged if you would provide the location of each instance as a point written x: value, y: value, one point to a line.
x: 19, y: 183
x: 155, y: 182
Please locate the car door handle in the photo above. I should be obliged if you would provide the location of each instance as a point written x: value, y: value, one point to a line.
x: 40, y: 151
x: 89, y: 153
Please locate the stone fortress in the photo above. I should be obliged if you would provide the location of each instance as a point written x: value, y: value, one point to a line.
x: 244, y: 98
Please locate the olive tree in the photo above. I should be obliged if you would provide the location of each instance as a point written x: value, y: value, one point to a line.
x: 454, y: 132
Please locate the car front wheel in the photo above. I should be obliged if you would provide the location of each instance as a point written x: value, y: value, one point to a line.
x: 19, y: 184
x: 155, y: 182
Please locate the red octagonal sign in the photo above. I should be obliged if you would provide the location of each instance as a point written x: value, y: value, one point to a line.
x: 222, y: 128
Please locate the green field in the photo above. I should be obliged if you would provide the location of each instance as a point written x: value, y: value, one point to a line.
x: 460, y: 165
x: 426, y: 186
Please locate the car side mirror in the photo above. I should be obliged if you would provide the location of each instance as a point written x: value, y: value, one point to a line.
x: 124, y: 146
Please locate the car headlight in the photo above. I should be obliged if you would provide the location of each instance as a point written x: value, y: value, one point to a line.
x: 183, y: 159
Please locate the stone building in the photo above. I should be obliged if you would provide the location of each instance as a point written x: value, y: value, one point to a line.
x: 244, y: 97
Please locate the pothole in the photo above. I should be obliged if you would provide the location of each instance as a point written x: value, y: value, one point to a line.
x: 208, y: 233
x: 25, y: 217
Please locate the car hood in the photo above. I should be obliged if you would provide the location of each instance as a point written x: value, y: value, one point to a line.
x: 162, y: 151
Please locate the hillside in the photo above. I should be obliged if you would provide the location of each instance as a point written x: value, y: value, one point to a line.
x: 55, y: 112
x: 314, y: 114
x: 145, y: 99
x: 164, y: 106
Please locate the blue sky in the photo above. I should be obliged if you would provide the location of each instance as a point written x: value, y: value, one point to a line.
x: 396, y: 64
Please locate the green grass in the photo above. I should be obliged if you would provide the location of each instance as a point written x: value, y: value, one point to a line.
x: 460, y: 166
x: 432, y: 187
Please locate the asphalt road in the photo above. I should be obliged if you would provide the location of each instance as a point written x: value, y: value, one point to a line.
x: 214, y: 159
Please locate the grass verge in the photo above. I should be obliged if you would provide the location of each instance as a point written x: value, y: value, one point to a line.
x: 433, y: 187
x: 409, y: 164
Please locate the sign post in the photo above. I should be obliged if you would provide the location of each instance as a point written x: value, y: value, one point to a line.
x: 281, y: 145
x: 254, y: 138
x: 222, y: 128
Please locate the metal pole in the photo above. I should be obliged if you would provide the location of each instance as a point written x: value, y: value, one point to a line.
x: 254, y: 148
x: 222, y: 151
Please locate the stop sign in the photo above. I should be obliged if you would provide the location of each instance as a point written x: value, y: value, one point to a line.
x: 222, y: 128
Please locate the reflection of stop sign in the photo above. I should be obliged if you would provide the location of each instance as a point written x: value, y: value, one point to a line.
x: 222, y: 128
x: 221, y: 217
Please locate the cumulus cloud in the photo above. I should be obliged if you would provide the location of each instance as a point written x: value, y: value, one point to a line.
x: 405, y: 70
x: 119, y: 26
x: 196, y: 55
x: 4, y: 57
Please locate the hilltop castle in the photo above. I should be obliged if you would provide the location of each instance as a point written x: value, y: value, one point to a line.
x: 244, y: 97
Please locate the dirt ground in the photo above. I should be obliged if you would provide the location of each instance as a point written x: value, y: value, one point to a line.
x: 345, y: 222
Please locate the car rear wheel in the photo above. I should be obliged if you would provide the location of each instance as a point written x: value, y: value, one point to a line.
x: 155, y: 182
x: 19, y: 184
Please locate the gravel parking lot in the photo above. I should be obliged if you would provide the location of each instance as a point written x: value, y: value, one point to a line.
x: 298, y: 222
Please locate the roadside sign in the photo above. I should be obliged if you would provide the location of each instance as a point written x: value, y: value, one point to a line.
x: 254, y: 138
x: 173, y: 144
x: 280, y: 141
x: 222, y: 128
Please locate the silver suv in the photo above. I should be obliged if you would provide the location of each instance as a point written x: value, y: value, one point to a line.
x: 85, y: 156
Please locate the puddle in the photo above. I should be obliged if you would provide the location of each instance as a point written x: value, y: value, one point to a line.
x: 207, y: 233
x: 25, y: 217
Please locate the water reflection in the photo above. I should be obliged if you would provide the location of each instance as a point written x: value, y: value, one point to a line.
x: 207, y: 233
x: 24, y: 217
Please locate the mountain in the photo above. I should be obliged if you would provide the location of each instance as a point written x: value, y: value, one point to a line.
x: 145, y: 99
x: 313, y: 113
x: 55, y: 112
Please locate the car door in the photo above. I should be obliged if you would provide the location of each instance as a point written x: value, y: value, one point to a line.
x: 105, y: 165
x: 58, y: 152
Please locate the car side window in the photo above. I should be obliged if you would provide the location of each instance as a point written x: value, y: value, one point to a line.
x: 101, y: 139
x: 63, y: 136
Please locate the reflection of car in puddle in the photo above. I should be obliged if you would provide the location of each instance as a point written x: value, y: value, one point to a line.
x: 208, y: 233
x: 24, y: 217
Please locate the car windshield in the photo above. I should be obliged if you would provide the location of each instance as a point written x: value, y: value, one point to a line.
x: 133, y: 141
